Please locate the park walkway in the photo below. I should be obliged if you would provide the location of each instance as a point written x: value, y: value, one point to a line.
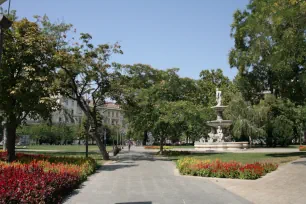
x: 138, y: 178
x: 286, y: 185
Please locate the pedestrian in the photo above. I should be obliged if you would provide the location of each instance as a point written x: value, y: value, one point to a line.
x: 129, y: 145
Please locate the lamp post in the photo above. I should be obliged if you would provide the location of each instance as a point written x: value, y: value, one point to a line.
x: 4, y: 135
x: 5, y: 23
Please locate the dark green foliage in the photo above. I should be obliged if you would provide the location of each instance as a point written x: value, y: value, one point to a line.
x: 282, y: 130
x: 270, y: 49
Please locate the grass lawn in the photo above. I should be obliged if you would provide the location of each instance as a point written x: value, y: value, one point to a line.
x: 247, y: 157
x: 65, y: 150
x: 68, y: 148
x: 95, y: 155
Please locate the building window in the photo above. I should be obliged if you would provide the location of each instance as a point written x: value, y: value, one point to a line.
x: 108, y: 114
x: 72, y: 112
x: 112, y: 113
x: 117, y: 114
x: 59, y: 119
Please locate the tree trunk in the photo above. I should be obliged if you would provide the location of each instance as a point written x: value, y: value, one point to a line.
x: 11, y: 138
x: 250, y: 139
x: 145, y: 138
x: 102, y: 147
x: 161, y: 149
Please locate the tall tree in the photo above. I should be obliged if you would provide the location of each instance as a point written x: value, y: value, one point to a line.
x: 248, y: 122
x: 270, y: 49
x: 82, y: 73
x: 26, y: 75
x: 127, y: 84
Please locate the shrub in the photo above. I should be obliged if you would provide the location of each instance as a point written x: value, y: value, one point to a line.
x: 302, y: 148
x: 40, y: 178
x: 217, y: 168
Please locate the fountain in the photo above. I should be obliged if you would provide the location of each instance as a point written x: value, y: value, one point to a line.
x: 219, y: 138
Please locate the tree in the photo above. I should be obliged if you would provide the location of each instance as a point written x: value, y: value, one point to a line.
x: 282, y: 130
x: 127, y: 83
x: 248, y: 122
x: 26, y: 75
x: 279, y: 111
x: 82, y: 72
x: 270, y: 49
x: 195, y: 117
x: 49, y: 133
x: 150, y: 97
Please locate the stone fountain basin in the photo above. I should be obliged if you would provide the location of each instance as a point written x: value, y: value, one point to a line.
x: 222, y: 146
x: 221, y: 123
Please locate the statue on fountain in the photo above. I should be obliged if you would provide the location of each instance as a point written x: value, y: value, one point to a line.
x: 218, y: 97
x: 219, y: 138
x: 219, y: 134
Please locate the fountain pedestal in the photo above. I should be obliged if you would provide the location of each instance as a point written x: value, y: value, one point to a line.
x: 219, y: 138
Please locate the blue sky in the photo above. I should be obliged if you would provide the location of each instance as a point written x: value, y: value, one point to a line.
x: 188, y: 34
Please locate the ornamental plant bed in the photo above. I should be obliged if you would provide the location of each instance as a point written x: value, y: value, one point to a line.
x: 220, y: 169
x: 40, y: 178
x: 157, y: 147
x: 302, y: 148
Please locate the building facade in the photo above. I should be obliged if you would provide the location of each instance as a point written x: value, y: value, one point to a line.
x: 113, y: 115
x: 70, y: 113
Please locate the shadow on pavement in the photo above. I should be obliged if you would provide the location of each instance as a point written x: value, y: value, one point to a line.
x: 291, y: 154
x: 113, y: 167
x: 149, y: 202
x: 299, y: 162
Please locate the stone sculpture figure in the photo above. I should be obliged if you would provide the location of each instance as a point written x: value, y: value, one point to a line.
x: 202, y: 140
x: 219, y: 134
x: 218, y: 97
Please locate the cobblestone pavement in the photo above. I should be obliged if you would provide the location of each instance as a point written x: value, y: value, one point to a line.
x: 138, y: 178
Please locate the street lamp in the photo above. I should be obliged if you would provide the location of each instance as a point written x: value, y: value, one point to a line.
x: 5, y: 23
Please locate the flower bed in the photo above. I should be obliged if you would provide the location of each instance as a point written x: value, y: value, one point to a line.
x: 40, y: 178
x: 219, y: 169
x: 302, y: 148
x: 157, y: 147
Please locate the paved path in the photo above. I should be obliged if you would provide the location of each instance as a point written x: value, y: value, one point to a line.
x: 285, y: 185
x: 138, y: 178
x: 251, y: 150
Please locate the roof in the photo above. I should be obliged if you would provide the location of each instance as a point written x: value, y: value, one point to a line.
x: 111, y: 105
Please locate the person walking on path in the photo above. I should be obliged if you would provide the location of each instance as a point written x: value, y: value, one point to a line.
x: 129, y: 145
